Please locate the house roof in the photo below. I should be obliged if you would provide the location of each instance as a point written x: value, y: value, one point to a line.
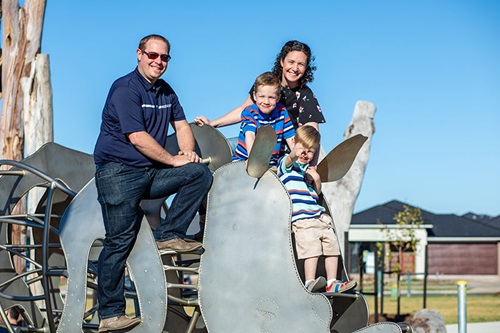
x: 444, y: 225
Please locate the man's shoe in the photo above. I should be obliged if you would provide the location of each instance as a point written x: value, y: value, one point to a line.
x: 120, y: 323
x: 341, y: 286
x: 316, y: 285
x: 179, y: 245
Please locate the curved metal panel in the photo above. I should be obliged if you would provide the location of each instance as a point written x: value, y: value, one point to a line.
x: 50, y: 163
x: 339, y: 160
x: 81, y: 225
x: 380, y: 328
x: 210, y: 145
x: 353, y: 312
x: 248, y: 279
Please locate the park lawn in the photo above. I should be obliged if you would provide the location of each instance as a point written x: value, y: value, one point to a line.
x: 415, y: 285
x: 480, y: 308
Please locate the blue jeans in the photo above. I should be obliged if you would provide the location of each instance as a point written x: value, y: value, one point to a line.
x: 120, y: 189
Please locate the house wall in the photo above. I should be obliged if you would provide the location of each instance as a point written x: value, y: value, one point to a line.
x: 498, y: 258
x: 463, y: 258
x: 375, y: 234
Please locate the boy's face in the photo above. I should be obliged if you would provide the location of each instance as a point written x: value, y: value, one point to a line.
x: 305, y: 155
x: 266, y: 98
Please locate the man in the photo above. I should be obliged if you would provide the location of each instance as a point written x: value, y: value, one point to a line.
x: 13, y: 316
x: 132, y: 164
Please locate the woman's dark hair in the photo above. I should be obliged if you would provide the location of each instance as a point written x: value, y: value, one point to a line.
x: 294, y: 45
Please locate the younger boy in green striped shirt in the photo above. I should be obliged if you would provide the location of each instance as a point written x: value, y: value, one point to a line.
x: 313, y: 228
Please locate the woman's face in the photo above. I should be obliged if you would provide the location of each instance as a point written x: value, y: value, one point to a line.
x: 294, y: 66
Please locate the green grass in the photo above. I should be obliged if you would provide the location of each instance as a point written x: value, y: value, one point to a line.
x: 441, y: 296
x: 479, y: 308
x: 415, y: 285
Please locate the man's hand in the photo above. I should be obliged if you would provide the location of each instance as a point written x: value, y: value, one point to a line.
x: 179, y: 160
x: 190, y: 155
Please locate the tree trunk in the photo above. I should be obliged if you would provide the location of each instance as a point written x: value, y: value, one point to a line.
x: 343, y: 193
x: 38, y: 124
x: 22, y: 35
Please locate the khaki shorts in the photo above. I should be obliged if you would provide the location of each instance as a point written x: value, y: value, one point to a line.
x: 315, y: 237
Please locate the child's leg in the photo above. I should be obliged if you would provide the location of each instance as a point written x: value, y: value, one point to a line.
x: 331, y: 265
x: 308, y: 248
x: 312, y: 283
x: 333, y: 284
x: 310, y: 265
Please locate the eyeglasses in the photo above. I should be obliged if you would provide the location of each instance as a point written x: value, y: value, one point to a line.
x: 153, y: 55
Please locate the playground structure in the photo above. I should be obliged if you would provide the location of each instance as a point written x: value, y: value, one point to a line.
x: 248, y: 279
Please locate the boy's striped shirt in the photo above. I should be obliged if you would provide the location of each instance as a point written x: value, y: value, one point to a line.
x: 304, y: 197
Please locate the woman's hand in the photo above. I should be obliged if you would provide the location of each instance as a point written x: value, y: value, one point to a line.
x: 202, y: 120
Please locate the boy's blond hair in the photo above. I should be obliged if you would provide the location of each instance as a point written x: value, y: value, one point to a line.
x: 308, y: 137
x: 267, y: 79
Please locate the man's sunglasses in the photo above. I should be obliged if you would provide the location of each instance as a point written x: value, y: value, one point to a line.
x: 153, y: 55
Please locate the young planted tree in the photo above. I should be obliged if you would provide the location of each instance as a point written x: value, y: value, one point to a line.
x: 400, y: 238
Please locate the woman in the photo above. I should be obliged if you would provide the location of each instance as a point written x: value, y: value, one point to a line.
x: 293, y: 66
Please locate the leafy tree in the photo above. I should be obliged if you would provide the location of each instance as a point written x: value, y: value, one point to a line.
x: 403, y: 237
x: 400, y: 239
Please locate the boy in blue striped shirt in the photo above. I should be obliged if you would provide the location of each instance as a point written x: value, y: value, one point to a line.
x: 313, y: 228
x: 265, y: 111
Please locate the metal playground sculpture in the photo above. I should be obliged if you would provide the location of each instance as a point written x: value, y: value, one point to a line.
x: 244, y: 280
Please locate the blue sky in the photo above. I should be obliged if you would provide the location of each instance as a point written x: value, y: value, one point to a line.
x: 432, y: 68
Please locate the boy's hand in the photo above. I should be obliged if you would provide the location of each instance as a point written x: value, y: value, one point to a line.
x: 294, y: 154
x: 313, y: 178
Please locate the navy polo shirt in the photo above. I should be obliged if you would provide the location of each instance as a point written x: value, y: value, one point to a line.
x: 133, y: 105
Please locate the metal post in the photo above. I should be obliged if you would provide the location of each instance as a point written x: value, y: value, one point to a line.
x: 377, y: 285
x: 399, y: 294
x: 347, y: 253
x: 408, y: 284
x: 382, y: 280
x: 379, y: 279
x: 361, y: 268
x: 425, y: 277
x: 462, y: 306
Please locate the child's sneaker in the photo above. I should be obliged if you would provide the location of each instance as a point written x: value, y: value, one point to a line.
x: 316, y: 285
x: 341, y: 286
